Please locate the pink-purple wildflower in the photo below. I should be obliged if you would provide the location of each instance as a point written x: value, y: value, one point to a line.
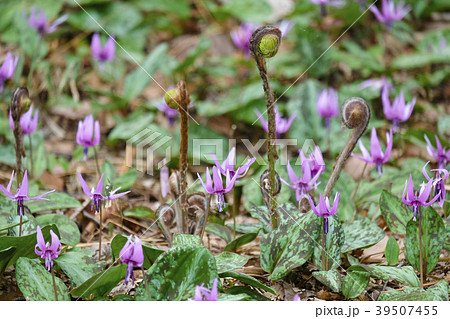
x: 438, y: 183
x: 282, y: 125
x: 8, y: 68
x: 389, y: 12
x: 228, y: 165
x: 28, y: 122
x: 440, y: 154
x: 132, y: 254
x: 398, y: 111
x: 48, y: 251
x: 418, y: 198
x: 205, y: 294
x: 38, y: 21
x: 88, y: 133
x: 103, y: 54
x: 241, y: 37
x: 315, y: 161
x: 324, y: 209
x: 303, y: 184
x: 21, y: 193
x: 164, y: 181
x: 328, y: 105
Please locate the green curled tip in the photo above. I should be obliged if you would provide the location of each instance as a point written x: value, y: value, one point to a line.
x: 268, y: 47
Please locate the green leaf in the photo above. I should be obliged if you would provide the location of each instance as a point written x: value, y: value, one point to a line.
x: 355, y: 283
x: 25, y: 245
x: 248, y: 10
x: 138, y: 80
x: 36, y: 283
x: 415, y: 60
x: 242, y: 293
x: 78, y: 265
x: 228, y: 261
x: 140, y: 212
x: 247, y: 279
x: 405, y: 274
x: 392, y: 251
x: 5, y: 257
x: 330, y: 278
x: 289, y: 246
x: 240, y: 241
x: 134, y: 124
x: 101, y: 284
x: 28, y: 228
x: 220, y: 231
x: 438, y: 292
x: 151, y: 253
x: 261, y: 213
x: 433, y: 237
x: 246, y: 228
x: 55, y: 201
x: 360, y: 234
x: 126, y: 180
x: 70, y: 234
x: 176, y: 272
x: 186, y: 240
x: 395, y: 213
x: 333, y: 244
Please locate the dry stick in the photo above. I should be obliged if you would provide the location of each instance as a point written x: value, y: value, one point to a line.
x: 54, y: 284
x: 272, y: 156
x: 184, y: 127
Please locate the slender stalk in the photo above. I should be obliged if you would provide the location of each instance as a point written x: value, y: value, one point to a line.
x: 236, y: 202
x: 420, y: 252
x: 96, y: 163
x: 146, y: 283
x: 184, y: 132
x: 208, y: 205
x: 357, y: 185
x: 100, y: 234
x: 20, y: 226
x: 323, y: 249
x: 31, y: 154
x: 54, y: 284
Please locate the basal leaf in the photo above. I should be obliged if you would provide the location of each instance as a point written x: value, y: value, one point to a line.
x: 219, y: 230
x: 240, y: 241
x: 355, y: 283
x: 247, y: 279
x: 56, y: 200
x: 395, y: 213
x: 228, y: 261
x: 186, y: 240
x: 360, y: 234
x: 330, y: 278
x: 333, y: 244
x: 70, y: 234
x: 405, y: 274
x: 392, y: 251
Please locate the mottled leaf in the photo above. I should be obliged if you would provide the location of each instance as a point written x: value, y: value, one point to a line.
x: 433, y: 237
x: 355, y: 283
x: 101, y: 284
x: 56, y: 200
x: 438, y: 292
x: 140, y: 212
x: 406, y: 274
x: 220, y: 231
x: 247, y: 279
x: 5, y: 256
x: 261, y: 213
x: 186, y: 240
x: 333, y: 244
x: 392, y: 251
x: 246, y: 228
x: 289, y: 246
x: 395, y: 213
x: 70, y: 234
x: 360, y: 234
x: 28, y: 228
x: 36, y: 283
x: 330, y: 278
x: 240, y: 241
x: 228, y: 261
x: 242, y: 293
x: 176, y: 272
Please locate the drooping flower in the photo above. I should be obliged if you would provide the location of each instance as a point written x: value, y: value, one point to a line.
x: 328, y: 105
x: 21, y: 193
x: 218, y: 188
x: 438, y: 183
x: 285, y: 26
x: 376, y: 157
x: 296, y: 298
x: 419, y: 198
x: 106, y: 53
x: 399, y: 110
x: 28, y: 123
x: 304, y: 183
x: 88, y: 133
x: 228, y: 165
x: 96, y: 194
x: 241, y: 37
x: 47, y: 251
x: 8, y: 68
x: 164, y: 181
x: 38, y: 21
x: 441, y: 155
x: 282, y: 125
x: 205, y: 294
x: 315, y: 161
x: 376, y: 84
x: 132, y: 255
x: 389, y: 12
x: 324, y: 209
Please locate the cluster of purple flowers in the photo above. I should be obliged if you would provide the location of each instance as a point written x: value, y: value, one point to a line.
x: 282, y: 125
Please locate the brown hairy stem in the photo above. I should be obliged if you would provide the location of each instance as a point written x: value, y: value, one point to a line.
x: 356, y: 116
x: 272, y: 155
x: 54, y: 284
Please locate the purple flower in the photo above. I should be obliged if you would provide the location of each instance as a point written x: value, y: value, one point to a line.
x: 8, y: 68
x: 399, y: 110
x: 438, y: 183
x: 132, y: 255
x: 315, y: 161
x: 328, y: 105
x: 88, y: 133
x: 47, y: 251
x: 21, y: 193
x: 376, y: 84
x: 377, y: 157
x: 324, y: 209
x: 164, y: 181
x: 419, y: 198
x: 27, y: 122
x: 103, y: 54
x: 389, y: 13
x: 439, y: 154
x: 204, y: 294
x: 302, y: 184
x: 96, y: 195
x: 282, y: 125
x: 333, y: 3
x: 297, y: 298
x: 38, y: 21
x: 228, y: 165
x: 285, y: 26
x: 218, y: 185
x: 241, y: 37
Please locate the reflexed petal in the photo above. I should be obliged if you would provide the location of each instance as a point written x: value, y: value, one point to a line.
x: 375, y: 147
x: 55, y: 243
x: 40, y: 239
x: 138, y: 253
x: 84, y: 186
x: 292, y: 176
x: 23, y: 189
x: 425, y: 192
x: 95, y: 45
x: 410, y: 195
x: 96, y: 137
x: 217, y: 178
x: 99, y: 188
x: 335, y: 204
x: 389, y: 139
x: 424, y: 171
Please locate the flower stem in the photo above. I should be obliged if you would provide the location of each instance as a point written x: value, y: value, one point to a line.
x: 100, y: 234
x: 184, y: 132
x: 208, y: 205
x: 323, y: 248
x: 146, y: 283
x: 54, y: 285
x: 236, y: 201
x: 31, y: 154
x: 96, y: 163
x: 20, y: 226
x: 359, y: 182
x: 422, y: 275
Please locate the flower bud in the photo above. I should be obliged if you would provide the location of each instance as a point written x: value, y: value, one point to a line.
x: 172, y: 98
x: 268, y: 46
